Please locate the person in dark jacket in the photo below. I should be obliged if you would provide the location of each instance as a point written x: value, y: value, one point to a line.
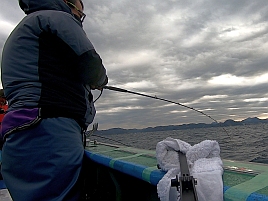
x: 48, y: 68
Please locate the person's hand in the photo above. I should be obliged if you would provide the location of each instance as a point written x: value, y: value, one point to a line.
x: 93, y: 87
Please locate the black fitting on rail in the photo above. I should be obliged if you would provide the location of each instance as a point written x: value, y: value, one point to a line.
x: 185, y: 181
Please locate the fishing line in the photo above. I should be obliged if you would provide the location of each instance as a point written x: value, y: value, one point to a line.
x: 98, y: 96
x: 162, y: 99
x: 88, y: 90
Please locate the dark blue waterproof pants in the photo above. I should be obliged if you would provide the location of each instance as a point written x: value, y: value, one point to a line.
x: 43, y: 163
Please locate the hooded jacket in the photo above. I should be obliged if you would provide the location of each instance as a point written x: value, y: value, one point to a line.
x: 47, y: 62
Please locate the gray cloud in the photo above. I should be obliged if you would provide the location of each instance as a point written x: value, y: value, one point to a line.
x: 210, y: 55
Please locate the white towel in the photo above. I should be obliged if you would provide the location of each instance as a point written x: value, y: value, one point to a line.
x: 204, y: 163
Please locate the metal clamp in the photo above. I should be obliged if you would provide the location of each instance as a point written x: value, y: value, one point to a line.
x: 186, y: 182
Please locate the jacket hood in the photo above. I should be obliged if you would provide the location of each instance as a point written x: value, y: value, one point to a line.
x: 30, y: 6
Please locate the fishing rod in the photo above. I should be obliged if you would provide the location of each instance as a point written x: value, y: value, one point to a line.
x: 161, y: 99
x: 155, y: 97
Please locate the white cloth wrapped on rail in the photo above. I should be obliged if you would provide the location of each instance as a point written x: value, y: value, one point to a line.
x: 204, y: 164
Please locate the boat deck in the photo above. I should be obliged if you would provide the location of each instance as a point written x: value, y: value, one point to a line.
x: 4, y: 195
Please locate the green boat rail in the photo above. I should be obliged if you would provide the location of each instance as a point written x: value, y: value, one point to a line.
x: 243, y: 181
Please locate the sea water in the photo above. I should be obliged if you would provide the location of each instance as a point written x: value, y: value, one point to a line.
x: 243, y: 143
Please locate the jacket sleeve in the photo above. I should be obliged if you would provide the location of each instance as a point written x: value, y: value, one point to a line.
x: 88, y: 63
x: 94, y: 71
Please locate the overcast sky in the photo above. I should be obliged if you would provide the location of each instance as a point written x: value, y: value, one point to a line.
x: 207, y: 54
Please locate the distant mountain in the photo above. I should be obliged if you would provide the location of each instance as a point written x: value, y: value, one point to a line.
x: 253, y: 120
x: 229, y: 122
